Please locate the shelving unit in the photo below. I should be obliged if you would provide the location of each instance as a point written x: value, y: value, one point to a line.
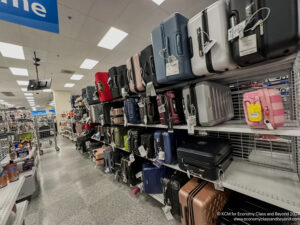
x: 8, y: 196
x: 21, y: 211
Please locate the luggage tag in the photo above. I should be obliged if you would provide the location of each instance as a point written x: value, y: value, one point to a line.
x: 268, y: 124
x: 124, y: 93
x: 248, y: 45
x: 172, y: 66
x: 191, y: 122
x: 157, y: 163
x: 131, y: 159
x: 150, y: 90
x: 236, y: 31
x: 145, y: 119
x: 139, y: 175
x: 254, y: 112
x: 209, y: 45
x: 161, y: 155
x: 142, y: 151
x: 161, y: 108
x: 167, y: 211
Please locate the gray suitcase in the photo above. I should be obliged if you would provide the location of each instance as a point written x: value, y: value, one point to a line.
x: 214, y: 103
x: 189, y: 102
x: 95, y: 111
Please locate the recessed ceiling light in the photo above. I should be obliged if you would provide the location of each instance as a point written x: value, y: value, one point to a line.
x: 47, y: 90
x: 23, y: 82
x: 24, y: 89
x: 19, y: 71
x: 68, y: 85
x: 158, y: 2
x: 112, y: 38
x: 12, y: 51
x: 28, y: 94
x: 89, y: 64
x: 76, y: 77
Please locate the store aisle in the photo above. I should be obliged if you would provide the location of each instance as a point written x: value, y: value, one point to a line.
x: 73, y: 192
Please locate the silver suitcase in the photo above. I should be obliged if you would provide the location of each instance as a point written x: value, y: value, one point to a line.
x: 189, y: 102
x: 209, y: 28
x: 214, y: 103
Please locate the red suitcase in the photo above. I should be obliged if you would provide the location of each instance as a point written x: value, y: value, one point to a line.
x: 103, y: 89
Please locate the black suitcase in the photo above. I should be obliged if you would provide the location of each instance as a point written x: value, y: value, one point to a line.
x: 130, y: 169
x: 206, y: 158
x: 114, y: 82
x: 107, y: 135
x: 147, y: 140
x: 105, y: 113
x: 148, y: 67
x: 171, y: 187
x: 123, y: 78
x: 134, y: 140
x: 151, y: 110
x: 280, y: 33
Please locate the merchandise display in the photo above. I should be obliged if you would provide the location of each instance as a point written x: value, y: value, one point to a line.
x: 195, y: 105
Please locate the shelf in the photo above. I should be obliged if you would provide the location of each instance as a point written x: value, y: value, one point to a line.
x: 158, y: 197
x: 280, y: 188
x: 21, y: 212
x: 8, y: 196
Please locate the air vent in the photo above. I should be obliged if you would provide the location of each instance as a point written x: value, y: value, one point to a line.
x: 7, y: 93
x: 67, y: 71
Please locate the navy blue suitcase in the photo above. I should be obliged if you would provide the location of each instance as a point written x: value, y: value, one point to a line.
x: 166, y: 142
x: 132, y: 111
x: 152, y: 176
x: 171, y: 50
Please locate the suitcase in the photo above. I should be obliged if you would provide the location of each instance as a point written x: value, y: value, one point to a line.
x: 276, y: 37
x: 152, y: 176
x: 91, y: 97
x: 205, y: 158
x: 116, y: 112
x: 117, y: 120
x: 147, y: 140
x: 201, y: 203
x: 118, y: 134
x: 142, y: 109
x: 136, y: 83
x: 104, y: 114
x: 134, y: 140
x: 171, y: 187
x: 95, y: 112
x: 130, y: 169
x: 99, y: 155
x: 148, y: 67
x: 165, y: 146
x: 214, y: 103
x: 264, y: 108
x: 206, y: 27
x: 131, y: 110
x: 114, y: 82
x: 124, y: 82
x: 148, y: 110
x: 170, y: 108
x: 171, y: 50
x: 107, y: 135
x: 103, y: 89
x: 190, y: 107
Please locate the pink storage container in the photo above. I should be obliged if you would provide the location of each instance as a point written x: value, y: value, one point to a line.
x: 264, y: 108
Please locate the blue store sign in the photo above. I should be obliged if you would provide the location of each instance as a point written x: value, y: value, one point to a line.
x: 39, y: 14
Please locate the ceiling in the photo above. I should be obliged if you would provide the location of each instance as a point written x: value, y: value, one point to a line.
x: 82, y: 25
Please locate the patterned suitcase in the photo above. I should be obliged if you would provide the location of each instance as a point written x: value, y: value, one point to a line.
x: 103, y: 89
x: 152, y: 176
x: 208, y: 26
x: 171, y: 50
x: 200, y: 202
x: 264, y: 108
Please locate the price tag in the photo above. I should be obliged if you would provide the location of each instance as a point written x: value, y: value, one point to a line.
x: 161, y: 155
x: 161, y: 109
x: 248, y: 45
x: 172, y: 67
x: 124, y: 93
x: 191, y: 122
x: 142, y: 151
x: 209, y: 46
x: 235, y: 31
x: 125, y: 120
x: 139, y: 175
x: 150, y: 90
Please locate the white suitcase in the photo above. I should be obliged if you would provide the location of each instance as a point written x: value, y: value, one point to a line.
x: 214, y: 103
x: 210, y: 25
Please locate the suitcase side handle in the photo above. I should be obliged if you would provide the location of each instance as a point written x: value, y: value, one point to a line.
x: 191, y: 47
x: 152, y: 67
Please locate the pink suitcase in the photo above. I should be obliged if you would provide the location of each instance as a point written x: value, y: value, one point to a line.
x: 136, y: 83
x: 264, y: 108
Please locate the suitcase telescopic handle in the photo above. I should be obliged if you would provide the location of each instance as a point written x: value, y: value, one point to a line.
x: 168, y: 46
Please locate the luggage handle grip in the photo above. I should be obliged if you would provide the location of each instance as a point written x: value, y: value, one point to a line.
x: 152, y: 67
x: 168, y: 46
x: 191, y: 47
x: 199, y: 37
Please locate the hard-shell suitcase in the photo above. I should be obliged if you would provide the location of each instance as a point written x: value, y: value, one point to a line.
x: 147, y: 140
x: 103, y: 89
x: 264, y: 108
x: 152, y: 176
x: 99, y: 155
x: 208, y: 26
x: 92, y: 98
x: 130, y: 169
x: 131, y: 110
x: 266, y: 35
x: 118, y: 136
x: 201, y: 203
x: 95, y: 112
x: 114, y: 82
x: 136, y: 83
x: 171, y: 187
x: 165, y: 145
x: 148, y: 67
x: 189, y: 103
x: 170, y: 108
x: 104, y: 114
x: 214, y: 103
x: 205, y: 158
x: 134, y: 140
x: 124, y: 82
x: 148, y: 110
x: 171, y: 50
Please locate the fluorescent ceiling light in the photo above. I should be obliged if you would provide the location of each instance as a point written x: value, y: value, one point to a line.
x: 29, y: 97
x: 47, y: 90
x: 76, y: 77
x: 24, y: 89
x: 23, y: 82
x: 68, y: 85
x: 158, y: 2
x: 28, y: 94
x: 89, y: 64
x: 19, y: 71
x: 112, y: 38
x: 12, y: 51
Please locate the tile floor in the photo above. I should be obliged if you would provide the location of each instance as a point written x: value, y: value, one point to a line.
x: 72, y: 191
